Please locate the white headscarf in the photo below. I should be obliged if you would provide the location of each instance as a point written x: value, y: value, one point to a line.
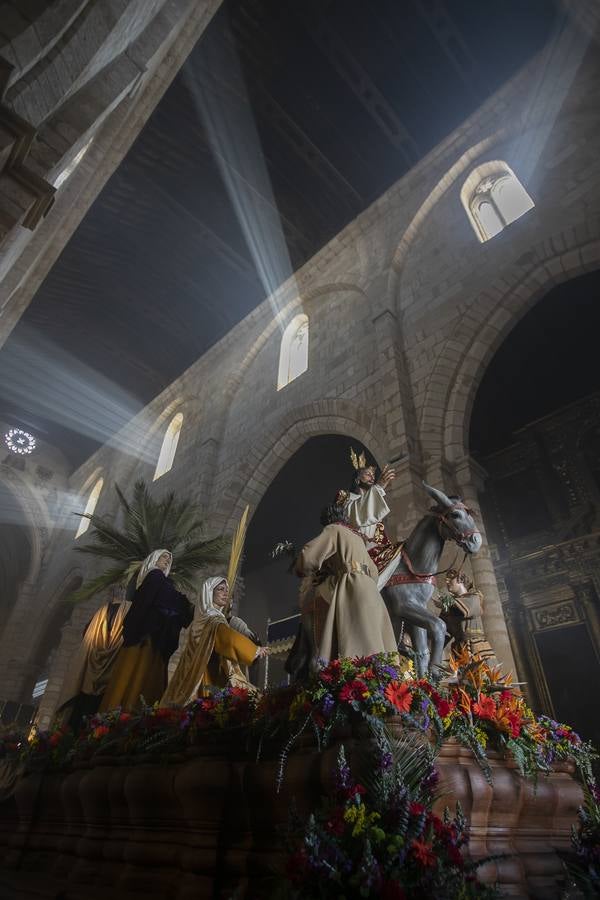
x: 206, y: 609
x: 150, y: 563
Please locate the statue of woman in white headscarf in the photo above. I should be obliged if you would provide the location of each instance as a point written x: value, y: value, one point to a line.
x: 151, y: 631
x: 215, y: 653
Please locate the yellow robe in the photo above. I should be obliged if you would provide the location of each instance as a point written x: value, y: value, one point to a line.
x: 91, y: 666
x: 355, y: 621
x: 211, y: 657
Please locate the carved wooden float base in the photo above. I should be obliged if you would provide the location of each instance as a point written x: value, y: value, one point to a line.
x: 205, y: 825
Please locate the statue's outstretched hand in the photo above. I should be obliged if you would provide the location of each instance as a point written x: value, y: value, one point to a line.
x: 387, y: 476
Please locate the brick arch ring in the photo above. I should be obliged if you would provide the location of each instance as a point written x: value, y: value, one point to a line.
x: 265, y: 460
x: 487, y: 335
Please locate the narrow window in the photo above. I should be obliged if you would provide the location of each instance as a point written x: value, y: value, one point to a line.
x: 169, y: 446
x: 493, y: 197
x: 293, y: 356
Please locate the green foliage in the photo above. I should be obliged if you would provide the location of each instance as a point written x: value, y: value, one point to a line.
x: 148, y: 525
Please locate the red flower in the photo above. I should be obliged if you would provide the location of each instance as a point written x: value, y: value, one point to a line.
x: 54, y: 739
x: 455, y: 856
x: 515, y: 720
x: 444, y: 707
x: 239, y: 692
x: 165, y: 712
x: 485, y: 708
x: 416, y: 809
x: 335, y: 823
x: 100, y: 731
x: 391, y: 890
x: 124, y: 717
x: 399, y: 696
x: 354, y: 690
x: 423, y: 852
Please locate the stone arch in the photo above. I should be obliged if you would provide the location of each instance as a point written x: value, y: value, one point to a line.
x: 435, y: 195
x: 265, y: 459
x: 49, y: 633
x: 495, y: 143
x: 492, y: 316
x: 35, y: 512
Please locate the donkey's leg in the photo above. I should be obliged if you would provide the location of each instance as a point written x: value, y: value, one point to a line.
x: 420, y: 645
x: 415, y: 614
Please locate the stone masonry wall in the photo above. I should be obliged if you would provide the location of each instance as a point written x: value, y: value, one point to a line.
x: 406, y: 308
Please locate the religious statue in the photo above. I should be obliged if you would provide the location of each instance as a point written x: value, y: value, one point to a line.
x: 344, y: 614
x: 216, y: 650
x: 151, y: 631
x: 91, y: 666
x: 461, y: 611
x: 366, y: 509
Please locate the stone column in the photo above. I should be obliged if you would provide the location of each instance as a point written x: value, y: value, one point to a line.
x: 398, y: 413
x: 470, y: 477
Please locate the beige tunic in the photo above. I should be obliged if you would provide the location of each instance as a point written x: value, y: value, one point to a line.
x: 356, y: 621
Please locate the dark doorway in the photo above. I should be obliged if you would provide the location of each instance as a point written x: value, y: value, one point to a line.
x: 534, y: 429
x: 290, y: 511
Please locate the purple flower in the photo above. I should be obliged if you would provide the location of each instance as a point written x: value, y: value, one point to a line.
x: 327, y: 705
x: 386, y: 760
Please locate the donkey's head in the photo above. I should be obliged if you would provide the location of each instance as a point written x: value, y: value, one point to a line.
x: 455, y: 521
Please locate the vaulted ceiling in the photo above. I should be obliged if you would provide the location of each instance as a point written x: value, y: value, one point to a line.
x: 287, y: 120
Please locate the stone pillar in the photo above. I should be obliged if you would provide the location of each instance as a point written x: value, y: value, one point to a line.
x: 398, y: 413
x: 469, y: 477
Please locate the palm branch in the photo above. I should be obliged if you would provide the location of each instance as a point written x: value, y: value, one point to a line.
x: 150, y: 524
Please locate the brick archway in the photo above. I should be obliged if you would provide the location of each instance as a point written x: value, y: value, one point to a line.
x: 492, y: 316
x: 265, y: 459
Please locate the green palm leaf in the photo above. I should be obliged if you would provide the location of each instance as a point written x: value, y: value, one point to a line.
x: 149, y: 525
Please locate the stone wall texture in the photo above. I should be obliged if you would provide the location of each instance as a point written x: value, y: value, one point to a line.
x: 406, y: 308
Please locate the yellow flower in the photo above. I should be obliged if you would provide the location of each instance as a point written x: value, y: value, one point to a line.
x: 297, y: 704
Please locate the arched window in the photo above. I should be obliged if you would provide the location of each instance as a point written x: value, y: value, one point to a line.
x: 293, y: 356
x: 90, y: 506
x: 493, y: 197
x: 169, y: 446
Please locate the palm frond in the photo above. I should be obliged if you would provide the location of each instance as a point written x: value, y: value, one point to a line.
x: 149, y: 525
x: 237, y: 546
x: 122, y: 499
x: 95, y: 585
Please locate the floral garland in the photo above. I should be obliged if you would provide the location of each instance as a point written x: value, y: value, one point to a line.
x: 478, y: 707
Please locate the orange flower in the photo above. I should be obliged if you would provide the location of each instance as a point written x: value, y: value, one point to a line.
x: 399, y: 695
x: 423, y: 852
x: 464, y: 701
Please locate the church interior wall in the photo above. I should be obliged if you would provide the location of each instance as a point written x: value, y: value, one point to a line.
x: 450, y: 298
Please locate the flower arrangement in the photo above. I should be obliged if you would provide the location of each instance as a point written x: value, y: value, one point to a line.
x: 483, y: 710
x: 478, y: 707
x: 370, y: 688
x: 378, y: 837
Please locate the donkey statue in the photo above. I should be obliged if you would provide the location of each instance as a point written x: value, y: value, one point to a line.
x: 411, y: 586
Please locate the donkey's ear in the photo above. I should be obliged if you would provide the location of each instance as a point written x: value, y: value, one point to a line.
x: 438, y: 496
